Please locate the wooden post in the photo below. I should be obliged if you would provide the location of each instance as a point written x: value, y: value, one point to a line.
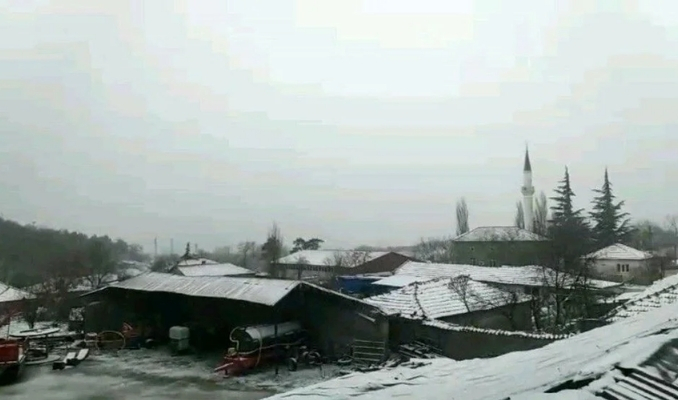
x: 277, y: 350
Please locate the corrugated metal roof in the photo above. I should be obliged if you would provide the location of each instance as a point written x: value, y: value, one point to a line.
x: 9, y: 293
x: 253, y: 290
x: 347, y: 258
x: 443, y: 297
x: 641, y: 385
x: 225, y: 269
x: 620, y: 251
x: 660, y: 293
x: 499, y: 234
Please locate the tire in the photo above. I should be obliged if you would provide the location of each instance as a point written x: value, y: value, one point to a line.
x: 292, y: 364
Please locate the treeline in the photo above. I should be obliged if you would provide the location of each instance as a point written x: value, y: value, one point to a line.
x: 29, y: 253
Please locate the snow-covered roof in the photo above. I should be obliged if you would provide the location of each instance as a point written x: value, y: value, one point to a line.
x: 443, y: 297
x: 225, y: 269
x: 9, y: 293
x: 347, y: 258
x: 400, y: 280
x: 448, y: 326
x: 253, y: 290
x: 530, y: 275
x: 659, y: 294
x: 628, y: 342
x: 499, y: 234
x: 195, y: 261
x: 620, y: 252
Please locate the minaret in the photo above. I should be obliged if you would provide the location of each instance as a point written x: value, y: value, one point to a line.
x: 528, y: 192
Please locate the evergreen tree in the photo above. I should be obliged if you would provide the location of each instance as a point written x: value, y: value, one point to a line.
x: 610, y: 224
x: 568, y: 230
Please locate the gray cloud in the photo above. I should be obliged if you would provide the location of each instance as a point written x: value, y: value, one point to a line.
x: 206, y: 121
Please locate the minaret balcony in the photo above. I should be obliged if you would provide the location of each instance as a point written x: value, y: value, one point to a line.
x: 527, y: 191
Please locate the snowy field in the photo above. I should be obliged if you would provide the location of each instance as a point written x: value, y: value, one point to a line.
x: 154, y: 374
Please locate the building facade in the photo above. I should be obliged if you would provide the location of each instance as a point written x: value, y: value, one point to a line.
x: 500, y: 245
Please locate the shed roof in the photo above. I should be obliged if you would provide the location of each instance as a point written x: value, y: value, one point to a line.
x: 443, y: 297
x: 9, y: 293
x: 620, y: 251
x: 499, y: 234
x: 253, y: 290
x: 226, y: 269
x: 659, y: 294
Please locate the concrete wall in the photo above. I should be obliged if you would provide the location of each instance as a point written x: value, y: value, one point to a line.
x: 499, y: 253
x: 463, y: 345
x: 497, y: 318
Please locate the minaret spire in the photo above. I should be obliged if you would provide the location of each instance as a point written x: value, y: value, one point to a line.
x: 528, y: 191
x: 527, y: 167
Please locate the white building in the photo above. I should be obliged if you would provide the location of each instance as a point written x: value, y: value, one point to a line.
x: 621, y: 261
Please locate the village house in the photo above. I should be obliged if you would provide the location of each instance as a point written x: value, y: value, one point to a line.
x: 460, y: 300
x: 524, y: 279
x: 622, y: 263
x: 323, y: 265
x: 499, y: 245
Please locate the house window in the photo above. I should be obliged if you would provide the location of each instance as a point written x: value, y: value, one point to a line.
x: 627, y: 267
x: 619, y: 268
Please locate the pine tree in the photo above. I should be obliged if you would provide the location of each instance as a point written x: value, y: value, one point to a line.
x: 610, y: 223
x: 568, y: 230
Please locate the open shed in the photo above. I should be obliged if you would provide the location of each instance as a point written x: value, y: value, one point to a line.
x: 212, y: 307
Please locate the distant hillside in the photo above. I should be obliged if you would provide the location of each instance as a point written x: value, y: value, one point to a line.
x: 27, y: 251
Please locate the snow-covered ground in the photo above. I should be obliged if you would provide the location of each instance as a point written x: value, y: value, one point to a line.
x: 153, y: 374
x: 590, y: 354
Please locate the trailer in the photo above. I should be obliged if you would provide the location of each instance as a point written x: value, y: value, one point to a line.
x: 260, y: 345
x: 12, y: 359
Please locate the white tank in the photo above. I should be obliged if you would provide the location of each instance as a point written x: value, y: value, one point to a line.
x: 178, y: 333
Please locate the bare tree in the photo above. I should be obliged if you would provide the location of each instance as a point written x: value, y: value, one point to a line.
x: 520, y: 216
x: 462, y: 217
x: 437, y: 250
x: 672, y: 226
x: 100, y: 264
x: 346, y: 259
x: 164, y: 262
x: 272, y: 250
x: 505, y: 304
x: 541, y: 215
x: 247, y: 252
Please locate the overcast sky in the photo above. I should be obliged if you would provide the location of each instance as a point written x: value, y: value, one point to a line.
x: 360, y: 122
